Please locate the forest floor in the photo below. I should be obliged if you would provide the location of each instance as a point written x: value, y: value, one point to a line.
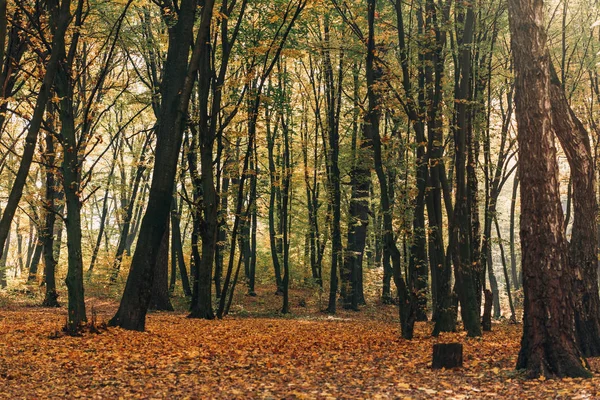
x: 256, y: 353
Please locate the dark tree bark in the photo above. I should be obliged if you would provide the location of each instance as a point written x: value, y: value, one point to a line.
x: 464, y: 270
x: 274, y: 193
x: 160, y: 286
x: 486, y: 319
x: 202, y: 307
x: 285, y: 201
x: 177, y: 248
x: 447, y: 355
x: 548, y: 346
x: 35, y: 261
x: 47, y: 236
x: 583, y: 250
x: 360, y: 181
x: 3, y: 266
x: 513, y: 253
x: 61, y: 19
x: 129, y: 209
x: 333, y: 92
x: 407, y: 298
x: 513, y: 315
x: 104, y: 213
x: 71, y: 174
x: 176, y: 89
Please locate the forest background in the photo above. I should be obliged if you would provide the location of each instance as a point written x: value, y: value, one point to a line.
x: 347, y: 150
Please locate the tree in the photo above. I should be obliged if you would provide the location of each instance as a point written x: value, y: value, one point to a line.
x: 582, y: 249
x: 548, y: 345
x: 176, y: 88
x: 60, y: 13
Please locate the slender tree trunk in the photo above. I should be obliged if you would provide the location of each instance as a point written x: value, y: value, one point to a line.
x: 178, y: 248
x: 3, y: 266
x: 513, y: 253
x: 51, y: 298
x: 61, y: 18
x: 71, y: 173
x: 333, y: 97
x: 104, y: 213
x: 275, y: 180
x: 513, y: 315
x: 464, y: 271
x: 35, y: 261
x: 129, y: 209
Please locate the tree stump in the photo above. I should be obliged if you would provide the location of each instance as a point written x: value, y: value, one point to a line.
x: 486, y: 321
x: 447, y: 355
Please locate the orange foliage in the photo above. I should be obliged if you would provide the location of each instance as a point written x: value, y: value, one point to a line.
x: 314, y: 356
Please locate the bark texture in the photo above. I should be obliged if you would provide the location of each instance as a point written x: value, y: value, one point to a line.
x: 583, y: 256
x: 548, y: 345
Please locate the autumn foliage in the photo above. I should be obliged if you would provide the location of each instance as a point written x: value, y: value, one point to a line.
x: 308, y: 355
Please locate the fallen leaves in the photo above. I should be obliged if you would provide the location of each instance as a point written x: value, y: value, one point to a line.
x: 260, y: 358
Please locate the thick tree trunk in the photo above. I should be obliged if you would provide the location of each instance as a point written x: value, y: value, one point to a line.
x: 175, y: 94
x: 548, y: 346
x: 583, y: 251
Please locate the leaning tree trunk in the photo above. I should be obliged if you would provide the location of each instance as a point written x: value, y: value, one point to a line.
x: 583, y: 251
x: 175, y: 94
x: 548, y: 345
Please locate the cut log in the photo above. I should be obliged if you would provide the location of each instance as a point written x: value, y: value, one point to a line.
x: 486, y: 321
x: 447, y: 355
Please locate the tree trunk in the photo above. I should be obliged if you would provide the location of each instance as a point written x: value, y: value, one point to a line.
x: 513, y: 315
x: 160, y: 286
x: 3, y: 267
x: 47, y: 233
x: 71, y: 173
x: 178, y: 249
x: 129, y: 209
x: 464, y: 270
x: 583, y: 251
x: 61, y: 18
x: 360, y: 181
x: 548, y: 345
x: 513, y: 253
x: 176, y: 90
